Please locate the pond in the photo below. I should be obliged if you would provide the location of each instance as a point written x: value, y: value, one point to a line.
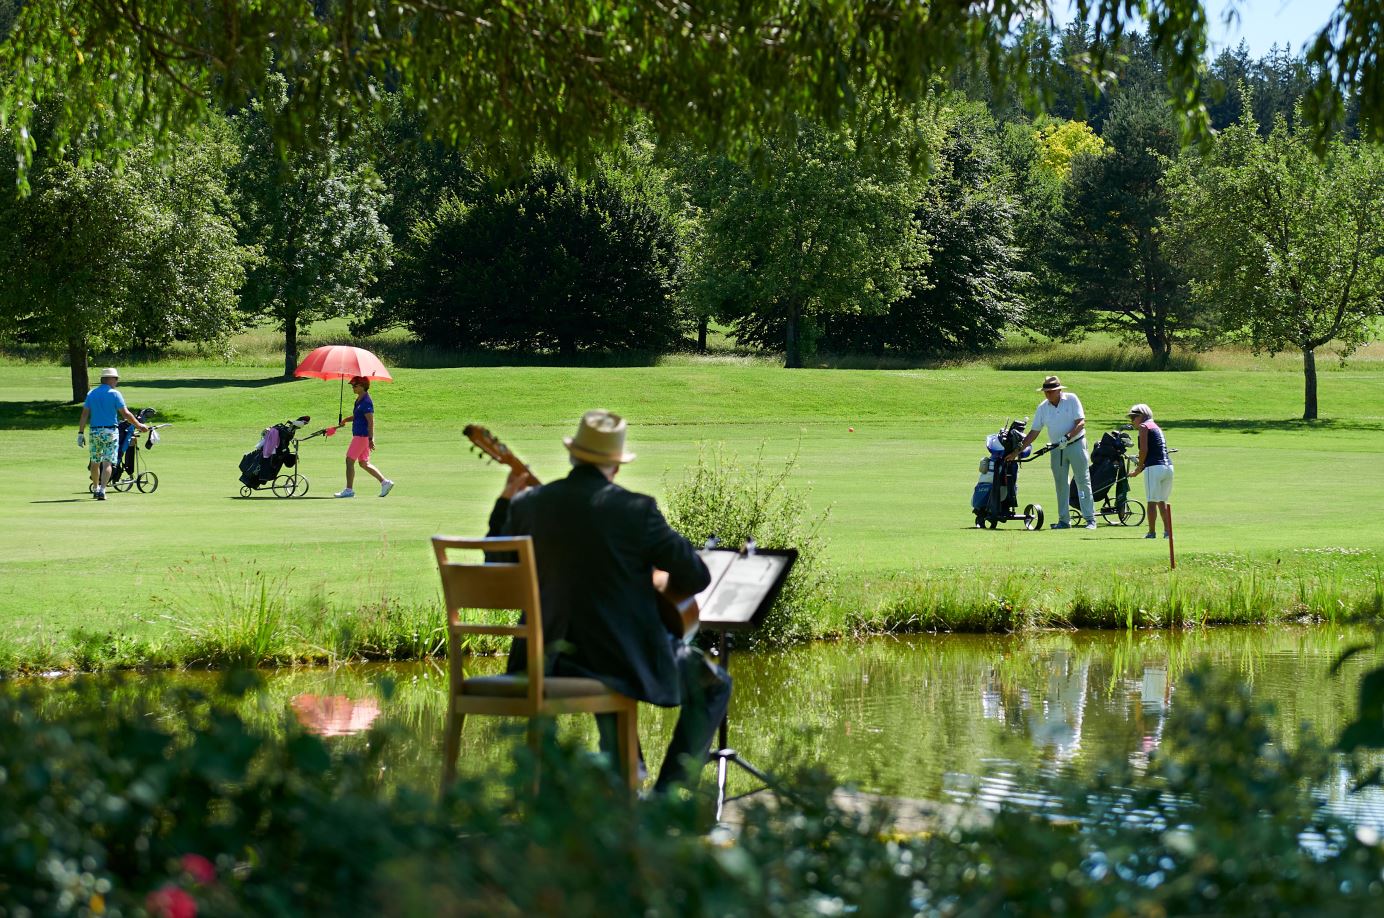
x: 928, y: 716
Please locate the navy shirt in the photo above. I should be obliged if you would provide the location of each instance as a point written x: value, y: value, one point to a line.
x: 1157, y: 445
x: 360, y: 425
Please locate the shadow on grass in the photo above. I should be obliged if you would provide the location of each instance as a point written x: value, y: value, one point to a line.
x: 44, y: 415
x: 207, y: 382
x: 1259, y: 426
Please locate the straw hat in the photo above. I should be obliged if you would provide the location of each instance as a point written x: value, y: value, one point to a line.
x: 600, y: 439
x: 110, y: 373
x: 1052, y: 382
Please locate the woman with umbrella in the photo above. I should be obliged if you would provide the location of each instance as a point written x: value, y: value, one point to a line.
x: 336, y: 361
x: 362, y: 440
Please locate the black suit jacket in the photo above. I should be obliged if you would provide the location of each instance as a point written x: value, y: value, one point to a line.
x: 596, y: 545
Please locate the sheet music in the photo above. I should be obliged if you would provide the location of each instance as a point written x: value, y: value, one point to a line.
x: 741, y: 586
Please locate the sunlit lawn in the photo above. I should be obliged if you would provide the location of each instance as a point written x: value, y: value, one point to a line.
x: 1251, y: 480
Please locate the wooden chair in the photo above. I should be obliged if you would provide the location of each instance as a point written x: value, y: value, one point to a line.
x: 510, y: 586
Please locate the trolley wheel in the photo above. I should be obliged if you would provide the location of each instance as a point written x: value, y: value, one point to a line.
x: 300, y: 486
x: 1132, y: 513
x: 246, y: 491
x: 283, y: 486
x: 1033, y: 517
x: 147, y: 482
x: 123, y: 484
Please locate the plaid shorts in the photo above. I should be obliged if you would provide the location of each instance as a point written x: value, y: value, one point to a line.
x: 103, y: 443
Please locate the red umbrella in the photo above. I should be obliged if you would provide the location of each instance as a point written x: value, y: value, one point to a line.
x: 343, y: 362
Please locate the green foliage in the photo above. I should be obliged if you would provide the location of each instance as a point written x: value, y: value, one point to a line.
x: 107, y: 797
x: 1284, y: 247
x: 971, y: 288
x: 550, y: 263
x: 823, y: 226
x: 1107, y: 260
x: 567, y: 78
x: 721, y: 497
x: 314, y: 214
x: 104, y: 258
x: 1062, y: 141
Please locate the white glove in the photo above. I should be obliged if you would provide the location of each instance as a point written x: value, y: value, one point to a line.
x: 81, y: 439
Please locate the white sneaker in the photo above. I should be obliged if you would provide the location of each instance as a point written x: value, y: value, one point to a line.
x: 345, y: 492
x: 385, y: 486
x: 1090, y: 525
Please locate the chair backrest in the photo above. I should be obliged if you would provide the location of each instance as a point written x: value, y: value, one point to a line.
x: 509, y: 584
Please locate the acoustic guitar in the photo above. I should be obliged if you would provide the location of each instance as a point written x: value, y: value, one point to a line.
x: 677, y: 611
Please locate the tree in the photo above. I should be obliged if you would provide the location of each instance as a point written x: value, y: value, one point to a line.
x: 568, y: 78
x: 314, y: 214
x: 1108, y: 256
x: 552, y: 262
x: 97, y: 258
x: 823, y: 226
x: 1285, y: 247
x: 971, y: 287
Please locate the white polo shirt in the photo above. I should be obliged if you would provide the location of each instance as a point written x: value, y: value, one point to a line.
x: 1059, y: 419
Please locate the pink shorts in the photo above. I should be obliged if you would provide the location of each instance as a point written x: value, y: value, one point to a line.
x: 359, y: 449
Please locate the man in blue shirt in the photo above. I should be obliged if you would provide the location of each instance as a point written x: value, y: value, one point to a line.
x: 102, y: 408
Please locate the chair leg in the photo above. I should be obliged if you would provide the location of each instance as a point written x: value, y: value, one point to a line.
x: 451, y: 746
x: 627, y: 722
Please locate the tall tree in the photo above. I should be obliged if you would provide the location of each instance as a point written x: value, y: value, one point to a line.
x: 569, y: 78
x: 552, y: 262
x: 1285, y: 247
x: 822, y: 226
x: 314, y: 214
x: 98, y: 259
x: 1108, y: 257
x: 971, y: 287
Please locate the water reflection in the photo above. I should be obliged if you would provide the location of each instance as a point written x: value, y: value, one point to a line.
x: 932, y: 716
x: 334, y: 715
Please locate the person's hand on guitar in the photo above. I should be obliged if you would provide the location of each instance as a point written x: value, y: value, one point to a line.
x: 518, y: 480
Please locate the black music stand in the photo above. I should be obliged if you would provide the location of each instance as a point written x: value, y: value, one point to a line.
x: 743, y: 589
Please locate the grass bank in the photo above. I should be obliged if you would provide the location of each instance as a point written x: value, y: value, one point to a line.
x: 1277, y: 519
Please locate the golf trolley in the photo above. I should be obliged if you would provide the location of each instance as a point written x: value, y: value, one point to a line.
x: 995, y: 499
x: 273, y: 463
x: 129, y: 470
x: 1112, y: 460
x: 1111, y: 464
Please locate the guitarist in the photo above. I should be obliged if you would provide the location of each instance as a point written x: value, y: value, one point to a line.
x: 596, y: 546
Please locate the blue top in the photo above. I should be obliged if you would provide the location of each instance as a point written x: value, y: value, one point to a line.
x: 1157, y: 445
x: 360, y: 426
x: 104, y: 403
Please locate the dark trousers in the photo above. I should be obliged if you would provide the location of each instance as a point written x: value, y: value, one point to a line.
x: 705, y: 698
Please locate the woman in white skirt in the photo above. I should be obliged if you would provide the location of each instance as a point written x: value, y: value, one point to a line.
x: 1156, y: 467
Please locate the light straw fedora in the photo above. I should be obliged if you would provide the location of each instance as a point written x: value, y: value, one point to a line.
x: 1052, y: 382
x: 600, y: 439
x: 110, y: 373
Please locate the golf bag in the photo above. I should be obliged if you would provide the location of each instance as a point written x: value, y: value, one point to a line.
x: 1107, y: 468
x: 263, y: 463
x: 995, y: 498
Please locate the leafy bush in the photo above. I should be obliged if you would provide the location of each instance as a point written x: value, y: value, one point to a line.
x: 177, y: 804
x: 555, y: 263
x: 719, y: 496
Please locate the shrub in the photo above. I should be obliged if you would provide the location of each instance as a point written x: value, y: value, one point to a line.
x: 171, y: 801
x: 719, y: 496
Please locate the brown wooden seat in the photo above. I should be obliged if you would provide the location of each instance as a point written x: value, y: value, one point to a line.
x: 514, y: 586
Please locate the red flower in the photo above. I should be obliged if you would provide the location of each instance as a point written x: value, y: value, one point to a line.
x: 202, y: 871
x: 171, y: 902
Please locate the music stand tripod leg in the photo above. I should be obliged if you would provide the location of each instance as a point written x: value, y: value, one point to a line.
x: 724, y: 755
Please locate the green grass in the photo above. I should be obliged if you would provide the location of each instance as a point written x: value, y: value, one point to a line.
x: 1275, y: 517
